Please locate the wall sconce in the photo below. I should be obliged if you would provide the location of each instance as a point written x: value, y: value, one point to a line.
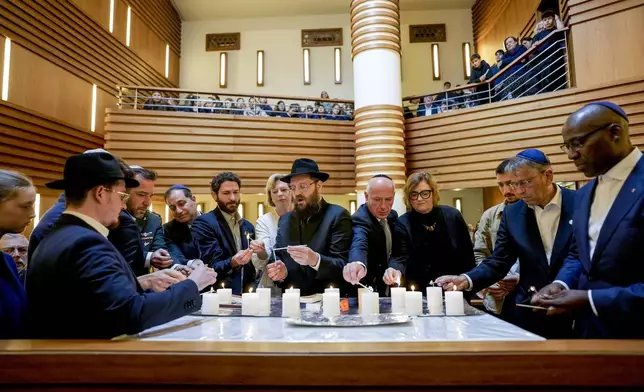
x: 240, y: 209
x: 5, y: 68
x: 260, y: 209
x: 201, y: 207
x: 37, y: 210
x: 167, y: 213
x: 260, y: 68
x: 223, y: 70
x: 307, y: 66
x: 458, y: 204
x: 92, y: 126
x: 337, y: 54
x: 128, y: 26
x: 111, y: 24
x: 352, y: 207
x: 467, y: 53
x: 435, y: 63
x: 167, y: 60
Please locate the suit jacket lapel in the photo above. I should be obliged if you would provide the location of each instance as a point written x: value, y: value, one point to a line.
x: 226, y: 230
x: 564, y: 230
x: 533, y: 235
x: 631, y: 191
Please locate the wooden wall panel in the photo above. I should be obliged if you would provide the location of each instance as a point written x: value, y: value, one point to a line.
x: 494, y: 20
x: 147, y: 44
x: 162, y: 18
x: 463, y: 148
x: 492, y: 197
x: 37, y: 145
x: 120, y: 20
x: 99, y: 10
x: 39, y: 85
x: 175, y: 62
x: 190, y: 148
x: 607, y: 40
x: 2, y: 40
x: 104, y: 101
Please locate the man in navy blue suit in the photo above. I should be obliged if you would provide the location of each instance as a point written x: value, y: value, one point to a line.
x: 538, y: 232
x: 372, y: 240
x: 78, y: 284
x: 178, y: 236
x: 222, y: 235
x: 602, y: 280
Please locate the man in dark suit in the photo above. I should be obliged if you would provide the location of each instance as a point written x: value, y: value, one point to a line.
x: 316, y: 235
x: 536, y: 230
x: 222, y: 235
x: 149, y: 223
x: 179, y: 241
x: 602, y: 280
x: 373, y: 225
x: 78, y: 284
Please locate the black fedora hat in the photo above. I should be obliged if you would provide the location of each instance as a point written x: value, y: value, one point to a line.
x: 89, y: 170
x: 305, y: 166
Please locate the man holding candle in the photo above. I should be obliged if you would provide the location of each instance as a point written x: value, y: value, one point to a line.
x: 179, y: 241
x: 372, y: 235
x: 78, y: 284
x: 222, y: 235
x: 536, y: 230
x: 602, y: 280
x: 316, y: 235
x: 494, y: 297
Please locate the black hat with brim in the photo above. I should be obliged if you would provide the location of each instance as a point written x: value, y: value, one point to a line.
x: 86, y: 171
x: 305, y: 166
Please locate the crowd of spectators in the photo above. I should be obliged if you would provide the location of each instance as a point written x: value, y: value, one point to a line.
x: 252, y: 106
x: 543, y: 69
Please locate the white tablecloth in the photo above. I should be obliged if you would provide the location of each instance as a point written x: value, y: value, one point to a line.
x: 274, y: 329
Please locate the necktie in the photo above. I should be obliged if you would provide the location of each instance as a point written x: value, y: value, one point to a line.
x: 385, y: 227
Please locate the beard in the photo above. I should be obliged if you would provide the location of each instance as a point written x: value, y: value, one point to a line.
x: 312, y: 205
x: 230, y: 208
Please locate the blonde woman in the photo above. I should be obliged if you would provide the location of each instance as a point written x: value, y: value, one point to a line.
x: 278, y: 195
x: 430, y: 240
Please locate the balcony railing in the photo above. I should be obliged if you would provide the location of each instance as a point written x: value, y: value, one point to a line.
x: 220, y: 103
x: 542, y: 68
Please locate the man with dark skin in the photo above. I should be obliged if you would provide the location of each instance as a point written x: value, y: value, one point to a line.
x: 602, y: 280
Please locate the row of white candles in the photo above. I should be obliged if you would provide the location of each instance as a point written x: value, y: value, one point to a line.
x: 402, y: 301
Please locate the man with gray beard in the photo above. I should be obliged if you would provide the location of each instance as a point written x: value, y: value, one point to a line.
x: 316, y: 236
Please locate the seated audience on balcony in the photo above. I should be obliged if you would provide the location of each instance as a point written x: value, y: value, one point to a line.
x: 309, y: 112
x: 156, y: 102
x: 280, y: 110
x: 480, y: 73
x: 190, y: 104
x: 254, y: 109
x: 239, y: 107
x: 336, y: 113
x: 527, y: 42
x: 348, y: 111
x: 263, y: 104
x: 428, y: 107
x: 228, y: 106
x: 320, y: 112
x: 327, y: 105
x: 511, y: 86
x: 294, y: 111
x: 551, y: 52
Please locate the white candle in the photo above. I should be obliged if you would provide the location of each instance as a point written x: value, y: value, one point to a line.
x: 454, y: 303
x: 332, y: 290
x: 291, y: 304
x: 225, y: 295
x: 413, y: 302
x: 264, y: 301
x: 361, y: 291
x: 331, y: 304
x: 292, y: 290
x: 398, y: 299
x: 370, y: 303
x: 435, y: 300
x: 210, y: 304
x: 250, y: 304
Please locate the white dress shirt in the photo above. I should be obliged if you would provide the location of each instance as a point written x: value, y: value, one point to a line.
x: 548, y: 222
x: 265, y: 231
x: 96, y: 225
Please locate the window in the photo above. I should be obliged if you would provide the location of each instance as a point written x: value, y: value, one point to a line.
x: 352, y: 207
x: 240, y: 209
x: 111, y: 25
x: 307, y: 66
x: 223, y: 69
x: 92, y: 126
x: 5, y: 69
x: 167, y: 60
x: 260, y: 68
x: 260, y: 209
x: 337, y: 54
x: 128, y: 26
x: 458, y: 204
x: 467, y: 52
x: 435, y: 63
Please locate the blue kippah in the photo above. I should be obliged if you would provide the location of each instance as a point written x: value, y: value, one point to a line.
x: 614, y: 107
x: 534, y: 155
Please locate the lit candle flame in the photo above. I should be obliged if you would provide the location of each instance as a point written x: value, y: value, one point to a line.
x: 453, y: 288
x: 412, y: 288
x: 222, y: 285
x: 250, y: 290
x: 212, y: 290
x: 331, y: 286
x: 291, y: 287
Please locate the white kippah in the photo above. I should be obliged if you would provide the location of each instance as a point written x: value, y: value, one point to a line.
x: 96, y: 151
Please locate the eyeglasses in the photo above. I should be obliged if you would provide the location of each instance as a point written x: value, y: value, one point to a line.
x: 577, y: 143
x: 21, y: 249
x: 423, y: 194
x: 303, y: 187
x: 124, y: 196
x: 522, y: 183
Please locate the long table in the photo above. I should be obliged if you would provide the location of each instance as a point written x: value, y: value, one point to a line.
x: 251, y: 354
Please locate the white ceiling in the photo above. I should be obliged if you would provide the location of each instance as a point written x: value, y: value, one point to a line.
x: 192, y: 10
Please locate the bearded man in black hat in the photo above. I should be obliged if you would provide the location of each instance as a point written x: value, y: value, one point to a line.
x: 316, y: 235
x: 80, y: 286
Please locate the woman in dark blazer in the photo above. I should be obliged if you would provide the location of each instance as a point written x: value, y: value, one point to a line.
x: 429, y: 240
x: 17, y: 199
